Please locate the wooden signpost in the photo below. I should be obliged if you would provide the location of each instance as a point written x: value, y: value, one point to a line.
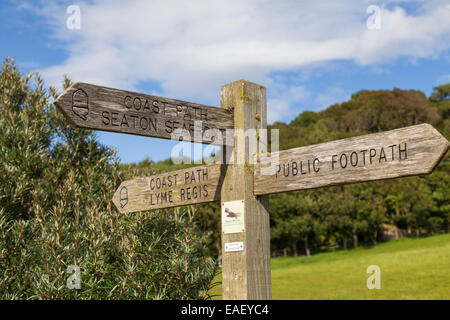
x: 241, y: 186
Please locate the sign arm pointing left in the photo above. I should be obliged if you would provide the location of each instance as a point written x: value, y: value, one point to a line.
x: 170, y: 189
x: 100, y: 108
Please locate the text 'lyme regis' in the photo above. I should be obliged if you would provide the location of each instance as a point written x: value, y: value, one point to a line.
x: 193, y: 184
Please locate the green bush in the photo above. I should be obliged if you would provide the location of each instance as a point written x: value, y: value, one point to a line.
x: 56, y: 185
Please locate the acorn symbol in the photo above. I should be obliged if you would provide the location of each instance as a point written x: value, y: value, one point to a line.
x: 80, y: 103
x: 123, y: 197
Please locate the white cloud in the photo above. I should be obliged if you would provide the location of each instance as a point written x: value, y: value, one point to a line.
x: 405, y: 35
x: 191, y: 48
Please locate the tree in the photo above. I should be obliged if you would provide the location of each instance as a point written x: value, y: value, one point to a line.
x: 441, y: 93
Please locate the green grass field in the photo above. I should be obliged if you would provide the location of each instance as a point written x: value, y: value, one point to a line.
x: 410, y: 269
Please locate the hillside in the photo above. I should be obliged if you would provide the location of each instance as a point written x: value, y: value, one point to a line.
x: 366, y: 112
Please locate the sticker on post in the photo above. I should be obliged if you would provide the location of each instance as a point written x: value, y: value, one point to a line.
x: 233, y: 216
x: 234, y: 246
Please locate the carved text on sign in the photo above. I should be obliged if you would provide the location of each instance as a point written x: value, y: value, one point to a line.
x: 101, y: 108
x: 391, y: 154
x: 171, y: 189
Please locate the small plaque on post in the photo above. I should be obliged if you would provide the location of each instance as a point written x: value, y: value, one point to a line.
x: 233, y: 216
x: 234, y: 246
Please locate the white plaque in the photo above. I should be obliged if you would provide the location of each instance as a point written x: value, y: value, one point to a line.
x: 234, y: 246
x: 233, y: 216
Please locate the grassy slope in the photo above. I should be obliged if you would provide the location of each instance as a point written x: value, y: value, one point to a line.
x: 410, y: 269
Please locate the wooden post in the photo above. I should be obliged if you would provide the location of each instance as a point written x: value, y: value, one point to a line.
x: 245, y: 270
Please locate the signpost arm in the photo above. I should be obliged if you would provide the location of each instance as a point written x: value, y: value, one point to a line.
x: 246, y: 273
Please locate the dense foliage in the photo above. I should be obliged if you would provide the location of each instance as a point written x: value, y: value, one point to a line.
x: 56, y: 184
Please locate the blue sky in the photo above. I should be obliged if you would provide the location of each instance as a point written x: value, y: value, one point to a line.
x: 309, y: 54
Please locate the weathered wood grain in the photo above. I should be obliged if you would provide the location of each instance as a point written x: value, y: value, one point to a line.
x: 246, y: 273
x: 171, y: 189
x: 401, y: 152
x: 100, y: 108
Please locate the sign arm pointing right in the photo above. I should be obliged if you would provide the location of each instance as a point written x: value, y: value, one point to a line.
x: 397, y: 153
